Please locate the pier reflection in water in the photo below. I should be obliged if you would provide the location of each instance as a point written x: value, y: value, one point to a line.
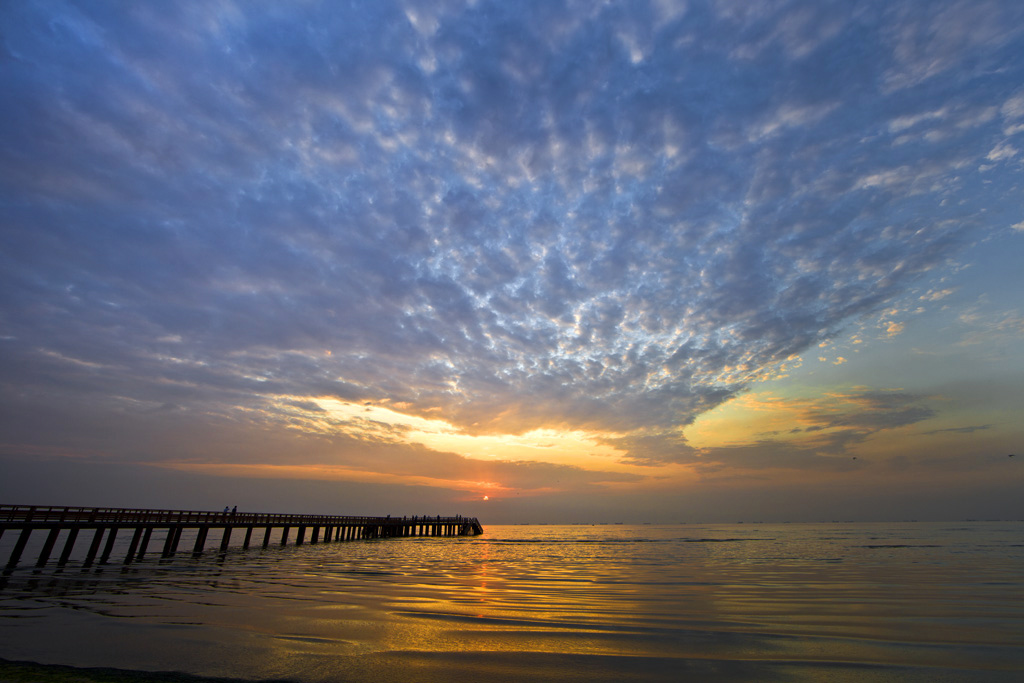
x: 911, y: 602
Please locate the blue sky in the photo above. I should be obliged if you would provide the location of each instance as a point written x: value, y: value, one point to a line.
x: 641, y: 260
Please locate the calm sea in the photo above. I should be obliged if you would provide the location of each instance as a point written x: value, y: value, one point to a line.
x: 751, y: 602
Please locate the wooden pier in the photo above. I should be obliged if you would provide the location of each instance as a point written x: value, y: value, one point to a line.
x: 105, y: 525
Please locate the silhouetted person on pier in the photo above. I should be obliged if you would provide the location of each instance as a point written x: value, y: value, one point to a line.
x: 233, y: 510
x: 225, y: 509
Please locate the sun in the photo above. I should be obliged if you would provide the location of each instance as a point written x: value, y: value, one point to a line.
x: 487, y: 497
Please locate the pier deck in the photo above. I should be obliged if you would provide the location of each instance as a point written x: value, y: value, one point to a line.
x: 106, y: 523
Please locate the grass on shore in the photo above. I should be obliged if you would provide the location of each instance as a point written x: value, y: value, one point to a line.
x: 30, y: 672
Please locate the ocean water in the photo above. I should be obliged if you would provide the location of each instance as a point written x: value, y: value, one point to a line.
x: 743, y: 602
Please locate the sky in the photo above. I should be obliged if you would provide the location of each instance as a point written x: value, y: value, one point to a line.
x: 547, y: 261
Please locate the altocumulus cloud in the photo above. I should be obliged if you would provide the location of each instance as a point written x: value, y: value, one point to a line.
x: 509, y: 215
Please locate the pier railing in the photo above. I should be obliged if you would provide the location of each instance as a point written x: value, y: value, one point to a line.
x: 17, y: 514
x: 56, y: 520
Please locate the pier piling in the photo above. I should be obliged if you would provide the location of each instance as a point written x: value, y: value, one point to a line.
x: 68, y: 545
x: 148, y: 534
x: 106, y: 525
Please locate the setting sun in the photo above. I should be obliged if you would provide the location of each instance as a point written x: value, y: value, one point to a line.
x: 722, y: 299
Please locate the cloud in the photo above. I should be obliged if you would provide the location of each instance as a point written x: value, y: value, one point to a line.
x: 829, y: 431
x: 654, y: 449
x: 894, y: 329
x: 959, y: 430
x: 1001, y: 152
x: 986, y: 327
x: 936, y: 295
x: 512, y: 216
x: 925, y: 45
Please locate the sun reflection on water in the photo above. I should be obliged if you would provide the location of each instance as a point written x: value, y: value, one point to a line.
x: 531, y: 599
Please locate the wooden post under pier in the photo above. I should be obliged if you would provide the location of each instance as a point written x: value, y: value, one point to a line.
x: 225, y: 539
x: 197, y: 549
x: 94, y: 547
x: 144, y: 545
x: 136, y: 539
x: 69, y: 544
x: 106, y: 524
x: 109, y: 547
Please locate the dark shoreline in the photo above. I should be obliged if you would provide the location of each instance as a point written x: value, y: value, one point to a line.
x: 33, y: 672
